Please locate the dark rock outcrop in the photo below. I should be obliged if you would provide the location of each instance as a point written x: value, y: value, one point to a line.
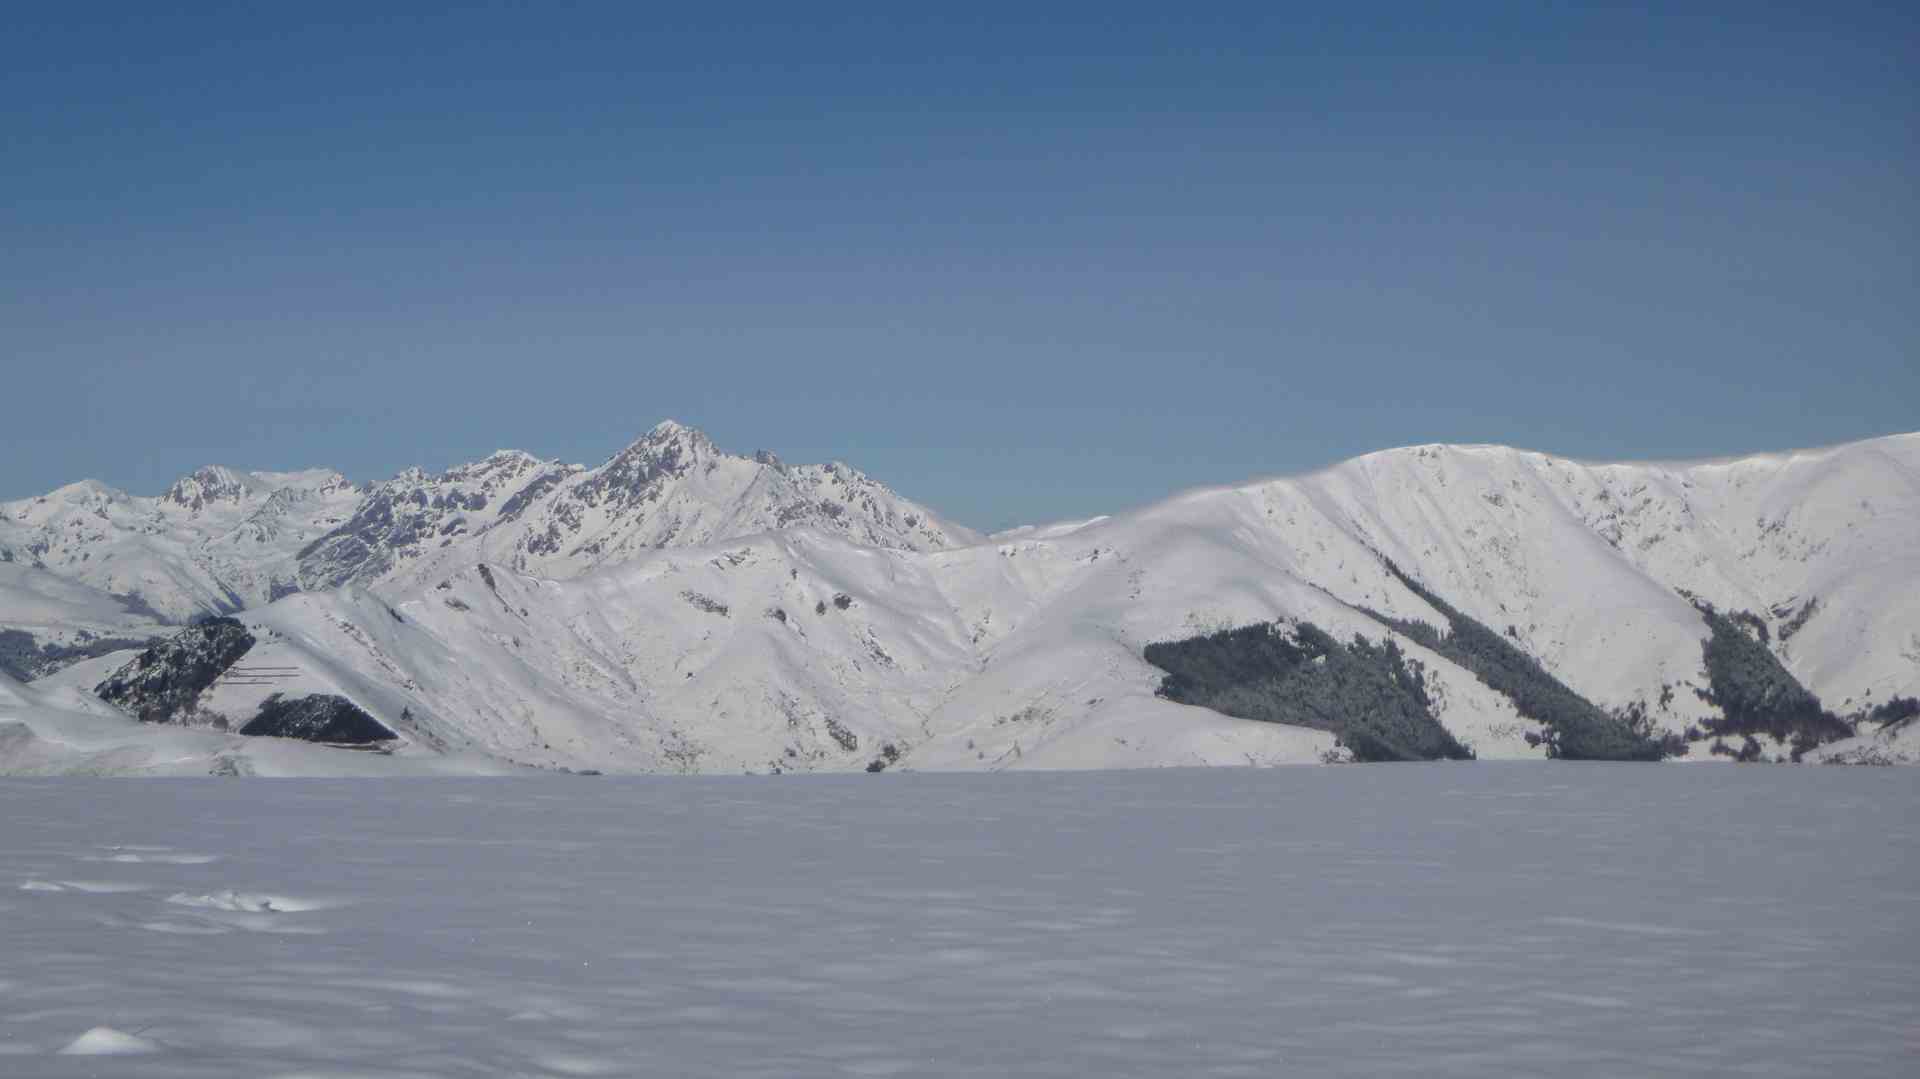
x: 318, y: 718
x: 166, y: 679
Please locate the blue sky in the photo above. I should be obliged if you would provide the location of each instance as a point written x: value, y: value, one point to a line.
x: 1020, y: 263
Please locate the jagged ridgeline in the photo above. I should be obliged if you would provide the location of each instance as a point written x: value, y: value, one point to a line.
x: 1578, y: 729
x: 1371, y: 696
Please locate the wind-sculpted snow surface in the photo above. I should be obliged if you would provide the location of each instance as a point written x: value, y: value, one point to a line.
x: 1434, y: 920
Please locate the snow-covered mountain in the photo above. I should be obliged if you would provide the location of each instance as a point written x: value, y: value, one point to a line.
x: 670, y: 488
x: 216, y: 540
x: 220, y: 540
x: 678, y: 609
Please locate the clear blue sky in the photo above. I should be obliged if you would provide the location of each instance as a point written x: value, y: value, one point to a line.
x: 1020, y: 263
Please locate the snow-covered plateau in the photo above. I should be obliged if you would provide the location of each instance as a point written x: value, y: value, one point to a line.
x: 682, y: 609
x: 1423, y: 920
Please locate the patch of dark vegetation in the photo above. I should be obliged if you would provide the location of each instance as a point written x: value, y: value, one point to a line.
x: 705, y: 603
x: 848, y: 740
x: 1799, y: 620
x: 167, y: 678
x: 24, y: 658
x: 1755, y: 694
x: 1896, y: 713
x: 321, y: 717
x: 1371, y: 696
x: 1754, y: 624
x: 19, y: 655
x: 842, y: 600
x: 1748, y: 753
x: 889, y: 754
x: 1577, y: 729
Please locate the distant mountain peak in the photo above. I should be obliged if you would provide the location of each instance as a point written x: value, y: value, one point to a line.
x: 208, y: 484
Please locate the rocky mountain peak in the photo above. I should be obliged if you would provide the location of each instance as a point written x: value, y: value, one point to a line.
x: 210, y: 484
x: 669, y: 449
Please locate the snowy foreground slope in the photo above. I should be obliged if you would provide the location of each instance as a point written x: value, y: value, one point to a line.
x: 680, y: 609
x: 1424, y: 920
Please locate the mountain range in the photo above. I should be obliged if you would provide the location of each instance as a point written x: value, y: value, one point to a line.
x: 678, y: 608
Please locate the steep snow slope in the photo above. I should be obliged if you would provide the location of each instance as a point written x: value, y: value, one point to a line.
x: 57, y: 610
x: 798, y: 646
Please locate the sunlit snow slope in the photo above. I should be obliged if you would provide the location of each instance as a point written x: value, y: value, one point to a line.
x: 674, y: 611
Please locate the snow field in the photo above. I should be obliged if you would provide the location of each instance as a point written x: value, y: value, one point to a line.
x: 1453, y: 920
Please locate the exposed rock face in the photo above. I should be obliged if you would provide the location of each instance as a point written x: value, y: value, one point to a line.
x: 415, y: 513
x: 317, y: 718
x: 211, y: 484
x: 166, y: 679
x: 221, y: 540
x: 670, y: 488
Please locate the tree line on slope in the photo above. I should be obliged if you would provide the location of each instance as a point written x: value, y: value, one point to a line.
x: 24, y: 658
x: 1372, y: 697
x: 1577, y: 729
x: 1755, y: 693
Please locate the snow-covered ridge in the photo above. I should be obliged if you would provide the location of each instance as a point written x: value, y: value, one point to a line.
x: 220, y: 539
x: 680, y: 609
x: 670, y: 488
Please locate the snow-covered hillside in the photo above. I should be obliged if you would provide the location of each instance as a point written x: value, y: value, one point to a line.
x: 217, y: 540
x: 678, y: 609
x: 47, y: 621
